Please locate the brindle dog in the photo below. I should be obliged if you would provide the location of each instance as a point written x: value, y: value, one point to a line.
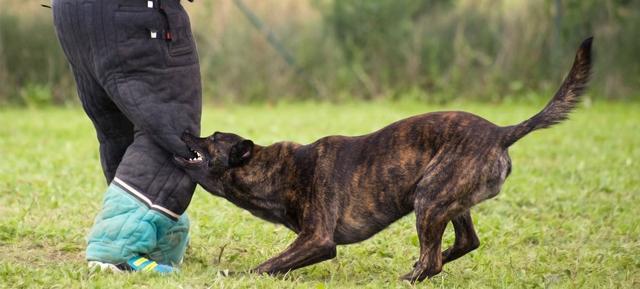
x: 341, y: 190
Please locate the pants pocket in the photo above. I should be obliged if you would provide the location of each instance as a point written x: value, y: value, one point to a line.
x: 181, y: 47
x: 181, y: 40
x: 140, y: 44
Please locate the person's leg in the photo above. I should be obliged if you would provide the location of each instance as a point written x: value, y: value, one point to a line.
x: 155, y: 82
x: 114, y: 130
x: 138, y: 215
x: 152, y: 73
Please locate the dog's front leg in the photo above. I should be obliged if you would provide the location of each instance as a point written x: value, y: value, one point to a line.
x: 307, y: 249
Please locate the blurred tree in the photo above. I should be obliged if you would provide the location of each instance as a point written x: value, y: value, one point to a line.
x: 435, y: 50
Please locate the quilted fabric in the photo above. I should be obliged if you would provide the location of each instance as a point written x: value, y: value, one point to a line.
x: 126, y: 228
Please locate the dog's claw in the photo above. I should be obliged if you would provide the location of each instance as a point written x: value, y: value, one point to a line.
x: 228, y: 273
x: 408, y: 277
x: 418, y: 274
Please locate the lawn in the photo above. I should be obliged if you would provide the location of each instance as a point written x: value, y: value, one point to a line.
x: 567, y: 217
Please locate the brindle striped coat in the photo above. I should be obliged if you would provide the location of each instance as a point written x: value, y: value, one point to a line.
x: 341, y: 190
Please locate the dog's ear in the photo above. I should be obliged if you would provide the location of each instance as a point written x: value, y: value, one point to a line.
x: 240, y: 153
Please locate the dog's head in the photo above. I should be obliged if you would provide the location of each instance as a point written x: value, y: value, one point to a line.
x: 213, y: 156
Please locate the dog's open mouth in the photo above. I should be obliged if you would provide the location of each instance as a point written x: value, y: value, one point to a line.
x: 196, y: 156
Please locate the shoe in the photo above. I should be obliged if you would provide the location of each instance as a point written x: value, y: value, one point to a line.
x: 135, y: 264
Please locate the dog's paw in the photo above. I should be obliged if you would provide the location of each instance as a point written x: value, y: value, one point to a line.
x: 419, y: 273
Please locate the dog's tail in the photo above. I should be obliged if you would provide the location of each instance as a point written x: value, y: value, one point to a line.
x: 563, y: 102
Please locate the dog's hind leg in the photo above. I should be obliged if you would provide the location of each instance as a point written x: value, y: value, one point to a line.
x: 466, y: 238
x: 437, y: 201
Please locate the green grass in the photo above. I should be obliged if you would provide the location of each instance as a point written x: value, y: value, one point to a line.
x: 568, y: 216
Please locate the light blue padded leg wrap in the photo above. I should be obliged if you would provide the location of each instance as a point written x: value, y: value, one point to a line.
x: 126, y: 228
x: 170, y: 247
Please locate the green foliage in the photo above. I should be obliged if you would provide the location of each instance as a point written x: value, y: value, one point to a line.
x: 437, y: 50
x: 567, y: 217
x: 31, y: 61
x: 482, y: 49
x: 377, y: 39
x: 34, y: 95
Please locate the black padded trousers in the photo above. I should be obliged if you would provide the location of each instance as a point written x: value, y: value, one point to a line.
x: 138, y: 78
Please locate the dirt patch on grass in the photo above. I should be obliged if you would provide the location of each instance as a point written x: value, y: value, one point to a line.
x: 40, y: 254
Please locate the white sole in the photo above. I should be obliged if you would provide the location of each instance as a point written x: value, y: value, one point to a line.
x: 95, y: 266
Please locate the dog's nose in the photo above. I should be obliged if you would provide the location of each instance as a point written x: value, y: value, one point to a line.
x: 185, y: 134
